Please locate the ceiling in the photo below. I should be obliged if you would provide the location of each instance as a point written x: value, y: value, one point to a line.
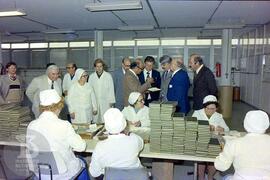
x: 171, y: 18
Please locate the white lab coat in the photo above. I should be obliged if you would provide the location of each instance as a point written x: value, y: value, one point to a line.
x: 67, y: 82
x: 81, y: 100
x: 249, y: 155
x: 118, y: 151
x: 104, y: 91
x: 215, y: 120
x: 48, y: 133
x: 37, y: 85
x: 142, y: 115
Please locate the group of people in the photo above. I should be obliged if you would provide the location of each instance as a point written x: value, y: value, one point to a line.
x: 92, y: 98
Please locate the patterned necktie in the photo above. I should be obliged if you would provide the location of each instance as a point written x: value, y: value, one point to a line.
x: 148, y: 75
x: 52, y: 86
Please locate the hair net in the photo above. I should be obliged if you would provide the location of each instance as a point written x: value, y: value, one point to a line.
x: 114, y: 121
x: 133, y: 97
x: 78, y: 74
x: 256, y: 122
x: 49, y: 97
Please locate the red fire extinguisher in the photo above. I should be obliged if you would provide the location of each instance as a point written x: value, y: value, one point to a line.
x: 218, y: 69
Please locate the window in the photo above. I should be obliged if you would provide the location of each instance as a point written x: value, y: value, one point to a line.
x: 124, y: 43
x: 19, y: 46
x: 198, y: 42
x: 38, y: 45
x: 58, y: 44
x: 79, y: 44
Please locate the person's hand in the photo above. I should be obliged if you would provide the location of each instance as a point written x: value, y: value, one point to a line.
x: 137, y: 123
x: 150, y: 80
x: 72, y: 115
x: 94, y: 112
x: 219, y: 129
x: 212, y: 128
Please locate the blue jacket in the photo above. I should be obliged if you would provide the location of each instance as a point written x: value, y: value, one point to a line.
x: 118, y: 77
x: 157, y: 83
x: 178, y: 91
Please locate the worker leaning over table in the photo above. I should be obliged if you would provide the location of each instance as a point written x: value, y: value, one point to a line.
x: 50, y: 134
x: 119, y: 150
x: 217, y: 124
x: 249, y: 154
x: 137, y: 113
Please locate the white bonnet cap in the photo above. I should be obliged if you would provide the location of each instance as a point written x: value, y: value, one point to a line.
x: 209, y: 98
x: 133, y: 97
x: 256, y: 122
x: 78, y: 74
x: 114, y: 121
x: 49, y: 97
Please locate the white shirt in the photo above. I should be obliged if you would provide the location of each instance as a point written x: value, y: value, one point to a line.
x: 142, y: 115
x: 145, y: 74
x: 67, y: 82
x: 174, y: 72
x: 48, y: 133
x: 249, y: 155
x: 198, y: 70
x: 118, y: 151
x: 215, y: 120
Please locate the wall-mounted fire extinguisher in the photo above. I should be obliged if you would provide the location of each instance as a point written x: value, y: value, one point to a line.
x: 218, y: 69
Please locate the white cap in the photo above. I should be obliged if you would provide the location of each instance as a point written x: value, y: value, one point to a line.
x: 256, y: 122
x: 114, y: 121
x: 133, y: 97
x: 209, y: 98
x: 78, y: 74
x: 49, y: 97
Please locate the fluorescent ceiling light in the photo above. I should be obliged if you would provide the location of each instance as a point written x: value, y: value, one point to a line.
x: 59, y: 31
x: 223, y: 26
x: 136, y: 28
x: 14, y: 12
x: 114, y: 6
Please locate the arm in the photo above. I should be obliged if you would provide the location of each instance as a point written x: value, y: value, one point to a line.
x: 70, y: 98
x: 93, y: 99
x: 226, y: 157
x: 31, y: 89
x: 75, y: 140
x: 134, y: 85
x: 111, y: 95
x: 95, y: 167
x: 221, y: 123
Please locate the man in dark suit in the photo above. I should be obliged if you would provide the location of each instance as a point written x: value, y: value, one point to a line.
x: 204, y: 82
x: 149, y: 72
x: 118, y: 77
x: 132, y: 83
x: 178, y: 87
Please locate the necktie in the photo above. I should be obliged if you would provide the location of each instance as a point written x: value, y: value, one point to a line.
x: 52, y: 86
x: 165, y: 75
x: 148, y: 75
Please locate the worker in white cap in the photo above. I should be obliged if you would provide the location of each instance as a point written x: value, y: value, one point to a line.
x: 137, y: 114
x: 249, y: 154
x: 209, y: 113
x: 50, y: 134
x: 118, y: 150
x: 81, y: 99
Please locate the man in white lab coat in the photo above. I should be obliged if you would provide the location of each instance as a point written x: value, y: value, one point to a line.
x: 249, y: 154
x: 50, y: 134
x: 69, y: 77
x: 119, y: 150
x: 102, y: 83
x: 50, y: 80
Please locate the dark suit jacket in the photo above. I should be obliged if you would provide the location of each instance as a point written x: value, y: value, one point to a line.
x: 154, y: 95
x: 118, y: 77
x: 203, y: 84
x: 178, y: 91
x: 132, y: 84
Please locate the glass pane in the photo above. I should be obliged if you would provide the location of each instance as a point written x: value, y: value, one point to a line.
x: 19, y: 46
x: 120, y: 53
x: 107, y: 43
x: 147, y: 42
x: 6, y: 56
x: 5, y: 46
x: 124, y: 43
x: 107, y: 56
x: 217, y: 55
x: 59, y: 57
x: 178, y: 42
x: 143, y: 52
x: 92, y: 58
x: 58, y: 44
x: 38, y: 45
x: 259, y: 40
x: 80, y: 57
x: 39, y: 58
x: 251, y: 43
x: 203, y: 52
x: 198, y: 42
x: 21, y: 57
x: 217, y: 42
x: 79, y: 44
x: 267, y: 39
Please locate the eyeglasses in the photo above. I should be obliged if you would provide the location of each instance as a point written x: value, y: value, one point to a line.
x: 141, y: 100
x: 85, y: 76
x: 69, y: 67
x: 140, y: 68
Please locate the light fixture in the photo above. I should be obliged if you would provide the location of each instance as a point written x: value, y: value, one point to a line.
x: 114, y: 6
x: 12, y: 12
x: 59, y: 31
x: 224, y: 26
x: 136, y: 28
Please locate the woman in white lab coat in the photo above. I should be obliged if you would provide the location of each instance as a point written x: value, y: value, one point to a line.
x: 102, y: 83
x: 81, y: 99
x: 217, y: 124
x: 50, y: 134
x: 137, y: 114
x: 119, y: 150
x: 249, y: 154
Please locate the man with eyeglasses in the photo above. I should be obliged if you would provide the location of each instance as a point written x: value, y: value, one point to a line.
x: 132, y: 82
x: 68, y: 78
x: 118, y: 76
